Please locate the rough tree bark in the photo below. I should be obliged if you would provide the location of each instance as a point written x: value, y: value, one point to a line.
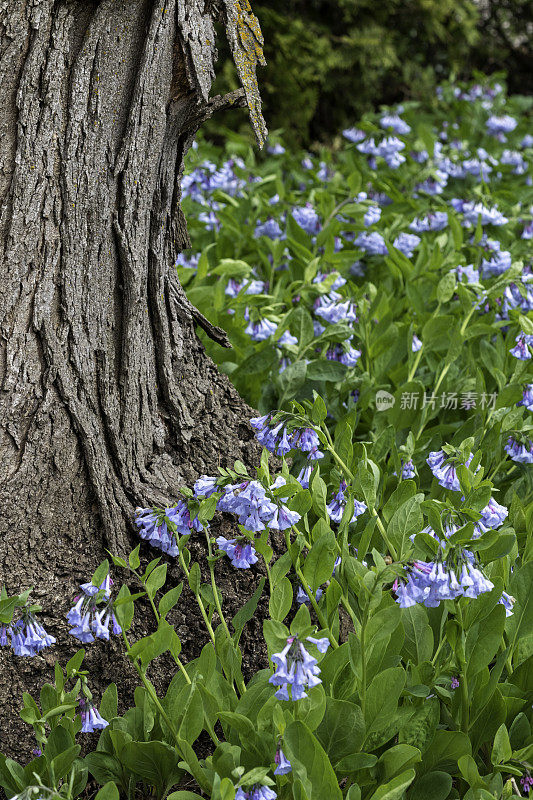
x: 107, y: 398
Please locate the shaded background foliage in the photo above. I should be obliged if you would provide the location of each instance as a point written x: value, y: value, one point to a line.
x: 328, y: 62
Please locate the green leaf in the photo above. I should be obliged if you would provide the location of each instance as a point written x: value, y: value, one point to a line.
x: 382, y: 698
x: 319, y: 563
x: 195, y: 578
x: 406, y: 521
x: 133, y: 558
x: 109, y: 790
x: 169, y: 600
x: 501, y: 749
x: 326, y: 371
x: 445, y: 750
x: 232, y: 267
x: 313, y: 707
x: 58, y: 741
x: 256, y: 775
x: 155, y: 763
x: 7, y: 607
x: 469, y: 771
x: 192, y: 721
x: 446, y: 287
x: 207, y: 509
x: 301, y: 622
x: 420, y: 729
x: 183, y: 795
x: 367, y: 482
x: 319, y: 411
x: 342, y: 729
x: 62, y: 763
x: 318, y: 495
x: 435, y: 785
x: 292, y: 379
x: 259, y: 361
x: 395, y: 789
x: 124, y: 611
x: 7, y: 780
x: 355, y: 762
x: 310, y: 763
x: 397, y: 759
x: 104, y: 767
x: 246, y: 613
x: 74, y: 663
x: 109, y: 702
x: 280, y: 601
x: 301, y: 325
x: 57, y: 710
x: 520, y: 624
x: 100, y: 573
x: 418, y: 643
x: 194, y: 766
x: 156, y: 580
x: 483, y: 640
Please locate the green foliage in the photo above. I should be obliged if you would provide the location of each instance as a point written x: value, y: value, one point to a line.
x: 328, y: 63
x: 410, y: 695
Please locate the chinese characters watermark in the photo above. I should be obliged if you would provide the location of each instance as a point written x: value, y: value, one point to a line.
x: 448, y: 400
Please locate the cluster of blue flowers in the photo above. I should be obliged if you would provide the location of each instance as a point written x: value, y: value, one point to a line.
x: 247, y: 500
x: 241, y: 556
x: 278, y: 440
x: 520, y: 350
x: 297, y: 668
x: 87, y: 619
x: 283, y: 765
x: 161, y: 527
x: 27, y: 636
x: 257, y: 792
x: 255, y: 511
x: 431, y: 582
x: 337, y: 505
x: 492, y: 516
x: 91, y: 718
x: 203, y: 181
x: 444, y: 469
x: 519, y: 451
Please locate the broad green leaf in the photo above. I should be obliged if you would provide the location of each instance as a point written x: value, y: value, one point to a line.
x: 397, y: 759
x: 382, y: 698
x: 444, y: 751
x: 501, y: 749
x: 109, y: 791
x: 395, y: 789
x: 318, y: 565
x: 483, y: 640
x: 246, y: 613
x: 418, y: 643
x: 342, y: 729
x: 281, y: 600
x: 310, y: 763
x: 169, y: 600
x: 109, y: 702
x: 435, y: 785
x: 406, y: 521
x: 155, y: 763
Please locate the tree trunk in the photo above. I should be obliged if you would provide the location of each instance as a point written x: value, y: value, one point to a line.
x: 107, y: 398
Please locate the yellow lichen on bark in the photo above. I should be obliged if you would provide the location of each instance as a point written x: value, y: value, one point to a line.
x: 246, y: 41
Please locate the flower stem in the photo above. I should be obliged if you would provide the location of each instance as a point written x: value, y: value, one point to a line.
x: 157, y: 617
x: 239, y: 679
x: 465, y: 711
x: 199, y: 601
